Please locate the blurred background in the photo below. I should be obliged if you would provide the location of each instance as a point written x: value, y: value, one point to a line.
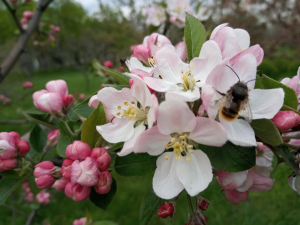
x: 105, y: 30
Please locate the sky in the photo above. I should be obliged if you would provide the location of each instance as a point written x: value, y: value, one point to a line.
x: 89, y: 5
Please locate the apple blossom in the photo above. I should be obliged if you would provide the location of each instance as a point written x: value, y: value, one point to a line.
x: 262, y: 103
x: 85, y: 172
x: 8, y: 164
x: 132, y: 110
x: 27, y: 84
x: 60, y: 184
x: 77, y: 192
x: 156, y: 15
x: 27, y: 14
x: 78, y: 150
x: 82, y: 221
x: 294, y: 83
x: 177, y: 10
x: 53, y: 137
x: 23, y: 147
x: 66, y: 168
x: 45, y: 174
x: 57, y: 86
x: 48, y: 101
x: 68, y: 100
x: 43, y: 197
x: 181, y: 50
x: 104, y: 182
x: 285, y: 120
x: 183, y: 168
x: 7, y: 146
x: 101, y: 157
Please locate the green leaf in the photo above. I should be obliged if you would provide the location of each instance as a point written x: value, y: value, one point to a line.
x: 284, y: 153
x: 290, y: 97
x: 195, y: 36
x: 38, y: 138
x: 149, y: 206
x: 230, y: 157
x: 40, y: 118
x: 258, y: 83
x: 266, y: 131
x: 89, y: 134
x: 65, y: 138
x: 286, y: 108
x: 116, y: 146
x: 135, y: 164
x: 103, y: 201
x: 83, y: 109
x: 105, y: 222
x: 118, y: 87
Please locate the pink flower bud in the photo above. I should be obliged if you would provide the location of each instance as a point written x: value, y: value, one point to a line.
x: 53, y: 136
x: 85, y: 173
x: 43, y: 197
x: 101, y: 157
x: 68, y: 100
x: 27, y: 14
x: 60, y: 184
x: 52, y: 38
x: 285, y: 120
x: 165, y: 210
x: 108, y: 64
x: 29, y: 197
x: 7, y: 146
x: 202, y: 203
x: 16, y: 137
x: 52, y: 27
x: 78, y: 151
x: 23, y: 147
x: 235, y: 197
x: 104, y: 182
x: 45, y: 181
x: 24, y: 21
x: 66, y: 168
x: 131, y: 82
x: 25, y: 184
x: 8, y: 164
x: 27, y: 84
x: 81, y: 96
x: 94, y: 102
x: 77, y: 192
x: 48, y: 101
x: 43, y: 168
x: 81, y: 221
x: 57, y: 86
x: 45, y: 174
x: 57, y: 29
x: 122, y: 69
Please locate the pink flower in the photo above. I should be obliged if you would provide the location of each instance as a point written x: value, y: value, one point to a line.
x: 29, y: 197
x: 78, y: 151
x: 60, y: 184
x: 104, y: 182
x: 57, y: 86
x: 285, y: 120
x: 68, y: 100
x: 7, y: 145
x: 45, y: 174
x: 8, y: 164
x: 108, y: 64
x: 16, y: 137
x: 77, y: 192
x: 294, y: 83
x: 27, y: 84
x: 101, y: 157
x: 43, y: 197
x: 24, y: 20
x: 122, y: 69
x: 53, y: 136
x: 23, y: 147
x: 57, y: 29
x: 82, y: 221
x: 85, y: 172
x: 81, y: 96
x: 66, y: 168
x: 48, y: 101
x: 27, y: 14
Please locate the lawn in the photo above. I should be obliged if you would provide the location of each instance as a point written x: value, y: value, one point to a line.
x: 279, y: 206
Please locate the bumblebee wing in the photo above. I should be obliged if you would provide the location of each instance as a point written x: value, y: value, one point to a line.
x: 245, y: 111
x: 225, y: 101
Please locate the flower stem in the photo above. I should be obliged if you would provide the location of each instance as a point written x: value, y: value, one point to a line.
x: 190, y: 203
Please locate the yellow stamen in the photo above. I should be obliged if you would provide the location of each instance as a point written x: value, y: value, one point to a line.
x: 188, y: 159
x: 167, y: 157
x: 118, y: 114
x: 125, y: 103
x: 119, y: 107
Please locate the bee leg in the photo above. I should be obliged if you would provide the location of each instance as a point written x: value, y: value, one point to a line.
x: 220, y: 92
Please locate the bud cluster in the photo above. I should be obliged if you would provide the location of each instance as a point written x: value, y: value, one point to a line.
x: 29, y: 195
x: 4, y: 100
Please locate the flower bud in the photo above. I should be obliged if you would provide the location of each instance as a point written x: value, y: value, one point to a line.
x: 16, y: 137
x: 165, y: 210
x: 60, y: 184
x: 8, y: 164
x: 48, y: 101
x: 82, y: 221
x: 108, y: 64
x: 78, y: 151
x: 29, y: 197
x: 57, y: 86
x: 7, y: 146
x: 202, y: 203
x: 66, y: 168
x: 131, y: 82
x: 53, y: 137
x: 285, y: 120
x: 122, y: 69
x: 101, y: 157
x: 25, y: 184
x: 45, y: 181
x: 68, y: 100
x: 57, y: 29
x: 27, y: 84
x: 85, y: 173
x: 45, y: 174
x: 104, y: 182
x: 81, y: 96
x: 43, y: 197
x: 27, y: 14
x: 23, y: 147
x: 77, y: 192
x: 24, y: 21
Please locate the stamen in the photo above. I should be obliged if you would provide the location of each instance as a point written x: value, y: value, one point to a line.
x: 167, y: 157
x: 125, y: 103
x: 119, y: 107
x: 151, y: 62
x: 188, y: 159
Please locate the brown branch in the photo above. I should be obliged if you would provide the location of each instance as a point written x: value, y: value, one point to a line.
x: 19, y: 48
x: 13, y: 13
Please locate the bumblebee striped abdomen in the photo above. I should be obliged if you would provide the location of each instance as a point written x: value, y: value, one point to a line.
x: 230, y: 114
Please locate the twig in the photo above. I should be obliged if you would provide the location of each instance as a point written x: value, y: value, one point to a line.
x: 30, y: 218
x: 13, y: 13
x: 14, y: 122
x: 288, y: 137
x: 16, y: 210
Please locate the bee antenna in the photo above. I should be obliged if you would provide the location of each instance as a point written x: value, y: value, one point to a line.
x: 234, y: 72
x: 256, y: 79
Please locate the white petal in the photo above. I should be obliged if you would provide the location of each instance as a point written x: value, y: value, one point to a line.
x: 195, y: 175
x: 166, y: 184
x: 246, y: 185
x: 157, y: 84
x: 175, y: 116
x: 152, y: 141
x: 266, y: 103
x: 208, y: 132
x: 213, y: 33
x: 153, y: 111
x: 243, y: 38
x: 118, y: 131
x: 129, y: 145
x: 176, y: 93
x: 239, y: 132
x: 136, y: 67
x: 140, y: 91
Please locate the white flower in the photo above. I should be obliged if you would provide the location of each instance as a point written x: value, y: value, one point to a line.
x: 156, y: 15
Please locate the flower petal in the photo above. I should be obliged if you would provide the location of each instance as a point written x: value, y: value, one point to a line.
x: 136, y: 67
x: 260, y: 183
x: 239, y: 132
x: 176, y: 93
x: 214, y: 32
x: 196, y: 174
x: 243, y: 38
x: 140, y: 91
x: 265, y: 103
x: 208, y: 132
x: 235, y: 197
x: 175, y: 117
x: 157, y: 84
x: 254, y: 50
x: 166, y: 184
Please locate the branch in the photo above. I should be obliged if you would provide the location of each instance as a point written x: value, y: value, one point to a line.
x: 14, y: 122
x: 19, y: 48
x: 30, y: 218
x: 17, y: 211
x: 13, y: 13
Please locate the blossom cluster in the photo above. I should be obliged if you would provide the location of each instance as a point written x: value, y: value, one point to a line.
x: 158, y: 114
x: 12, y: 149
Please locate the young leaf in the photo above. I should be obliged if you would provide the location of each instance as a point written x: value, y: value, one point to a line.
x: 135, y: 164
x: 83, y: 109
x: 150, y: 204
x: 65, y: 138
x: 195, y: 36
x: 230, y: 157
x: 103, y: 201
x: 284, y: 152
x: 290, y: 97
x: 38, y: 138
x: 116, y: 146
x: 266, y: 131
x: 89, y: 134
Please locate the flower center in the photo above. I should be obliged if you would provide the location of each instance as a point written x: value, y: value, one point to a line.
x: 180, y: 146
x: 178, y: 9
x: 132, y: 111
x: 159, y: 15
x: 188, y: 81
x: 151, y: 62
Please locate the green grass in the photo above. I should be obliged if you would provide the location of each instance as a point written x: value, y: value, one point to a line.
x: 279, y: 206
